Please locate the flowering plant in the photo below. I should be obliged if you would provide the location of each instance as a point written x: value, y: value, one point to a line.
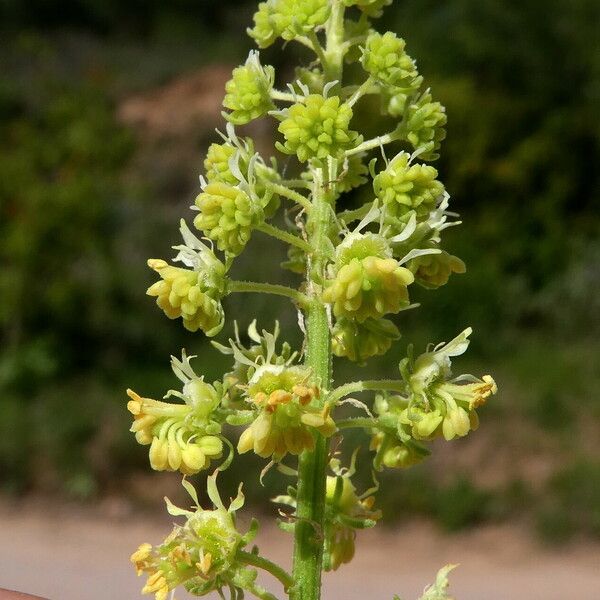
x: 358, y: 267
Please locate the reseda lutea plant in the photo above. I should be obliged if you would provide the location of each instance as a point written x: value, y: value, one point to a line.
x: 357, y: 269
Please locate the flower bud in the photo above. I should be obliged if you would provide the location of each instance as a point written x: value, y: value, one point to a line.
x: 249, y: 91
x: 403, y: 188
x: 433, y: 270
x: 193, y: 458
x: 369, y: 283
x: 372, y: 8
x: 386, y: 61
x: 317, y: 127
x: 180, y: 293
x: 227, y: 216
x: 360, y: 341
x: 424, y: 127
x: 159, y: 451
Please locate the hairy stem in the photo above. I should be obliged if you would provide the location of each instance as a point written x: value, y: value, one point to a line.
x: 266, y: 565
x: 285, y: 236
x: 268, y: 288
x: 302, y: 200
x: 308, y: 544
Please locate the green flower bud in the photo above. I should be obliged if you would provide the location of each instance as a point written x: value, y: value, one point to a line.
x: 240, y: 155
x: 386, y: 61
x: 360, y: 341
x: 424, y: 126
x: 372, y: 8
x: 265, y: 31
x: 403, y: 187
x: 433, y: 270
x: 248, y: 92
x: 227, y: 216
x: 368, y: 282
x: 313, y: 79
x: 299, y: 17
x: 288, y: 19
x: 318, y: 127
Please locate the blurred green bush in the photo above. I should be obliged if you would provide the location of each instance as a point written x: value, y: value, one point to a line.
x: 80, y: 213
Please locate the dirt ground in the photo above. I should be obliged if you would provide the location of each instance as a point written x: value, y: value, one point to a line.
x: 83, y: 555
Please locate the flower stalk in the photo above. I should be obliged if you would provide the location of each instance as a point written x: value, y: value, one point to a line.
x: 358, y: 268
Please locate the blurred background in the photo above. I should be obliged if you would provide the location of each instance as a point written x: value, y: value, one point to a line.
x: 106, y: 111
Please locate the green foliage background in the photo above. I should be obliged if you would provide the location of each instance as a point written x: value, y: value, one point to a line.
x: 84, y: 200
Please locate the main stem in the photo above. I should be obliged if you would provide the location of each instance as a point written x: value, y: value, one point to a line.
x: 308, y: 543
x: 310, y: 511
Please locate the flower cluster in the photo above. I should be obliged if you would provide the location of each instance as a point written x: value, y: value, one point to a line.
x: 367, y: 282
x: 317, y: 127
x: 433, y: 270
x: 194, y: 293
x: 371, y: 8
x: 201, y: 554
x: 287, y: 19
x: 386, y: 61
x: 263, y: 351
x: 424, y: 126
x: 248, y: 92
x: 345, y: 512
x: 433, y: 405
x: 286, y: 416
x: 403, y: 187
x: 182, y: 437
x: 360, y: 341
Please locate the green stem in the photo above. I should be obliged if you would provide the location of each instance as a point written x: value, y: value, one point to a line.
x: 302, y: 200
x: 283, y: 96
x: 285, y: 236
x: 308, y: 543
x: 348, y: 216
x: 260, y: 592
x: 266, y: 565
x: 363, y: 423
x: 268, y: 288
x: 360, y: 92
x: 316, y: 46
x: 376, y: 142
x: 389, y: 385
x: 336, y: 48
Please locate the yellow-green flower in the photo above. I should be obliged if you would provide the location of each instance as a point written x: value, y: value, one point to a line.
x: 433, y: 391
x: 200, y: 554
x: 368, y: 282
x: 360, y: 341
x: 372, y: 8
x: 286, y: 416
x: 182, y: 437
x: 404, y: 187
x: 424, y: 125
x: 227, y: 215
x: 433, y: 270
x: 248, y: 92
x: 317, y: 127
x: 385, y: 59
x: 345, y: 512
x: 288, y: 19
x: 193, y: 293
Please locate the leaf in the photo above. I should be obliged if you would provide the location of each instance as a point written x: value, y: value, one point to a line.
x: 438, y: 591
